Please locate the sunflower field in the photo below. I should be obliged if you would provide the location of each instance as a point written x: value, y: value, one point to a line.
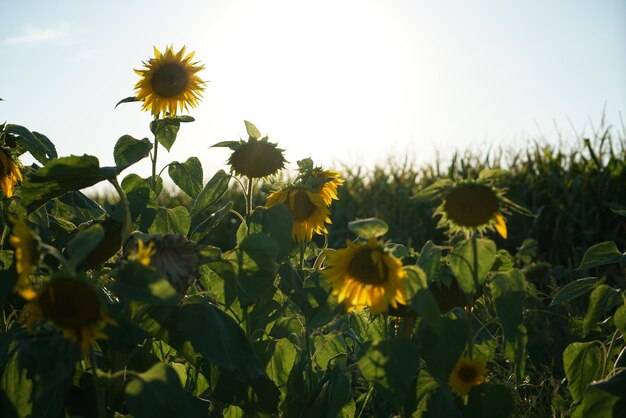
x: 466, y: 291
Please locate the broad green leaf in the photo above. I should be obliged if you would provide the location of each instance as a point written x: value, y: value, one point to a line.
x: 252, y: 131
x: 202, y: 230
x: 165, y: 130
x: 369, y: 227
x: 219, y: 339
x: 509, y: 294
x: 171, y: 221
x: 334, y: 397
x: 619, y: 318
x: 129, y: 150
x: 60, y: 176
x: 137, y: 282
x: 574, y: 289
x: 470, y: 261
x: 441, y: 351
x: 601, y: 254
x: 84, y: 243
x: 489, y: 400
x: 390, y: 365
x: 327, y: 347
x: 421, y: 299
x: 429, y: 260
x: 276, y: 222
x: 442, y: 403
x: 582, y: 363
x: 257, y: 397
x: 606, y: 398
x: 158, y: 393
x: 188, y: 176
x: 279, y: 357
x: 602, y: 299
x: 212, y: 192
x: 37, y: 144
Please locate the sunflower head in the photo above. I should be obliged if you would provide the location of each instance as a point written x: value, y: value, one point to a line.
x: 73, y: 306
x: 10, y: 173
x: 469, y: 206
x: 332, y: 180
x: 175, y: 257
x: 169, y: 82
x: 466, y: 374
x: 25, y: 245
x: 364, y: 274
x: 256, y: 157
x: 309, y: 212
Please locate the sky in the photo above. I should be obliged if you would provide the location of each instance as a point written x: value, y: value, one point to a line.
x: 341, y: 81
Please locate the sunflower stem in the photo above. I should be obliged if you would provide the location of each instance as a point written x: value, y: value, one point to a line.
x: 154, y: 163
x: 127, y: 223
x: 470, y: 299
x: 249, y: 195
x: 99, y: 394
x: 302, y: 251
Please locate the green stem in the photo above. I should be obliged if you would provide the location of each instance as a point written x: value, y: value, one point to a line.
x: 367, y: 398
x: 302, y: 251
x: 127, y: 223
x: 154, y: 163
x: 249, y: 193
x: 308, y: 369
x: 608, y: 354
x: 470, y: 299
x: 99, y: 395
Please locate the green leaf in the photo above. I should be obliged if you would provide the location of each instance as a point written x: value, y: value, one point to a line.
x: 158, y: 393
x: 334, y: 397
x: 574, y: 289
x: 619, y: 318
x: 421, y: 299
x: 582, y: 363
x: 187, y: 176
x: 279, y: 357
x: 489, y: 400
x: 470, y: 261
x: 602, y: 299
x: 255, y: 396
x: 368, y: 228
x: 212, y: 192
x: 127, y: 100
x: 509, y: 294
x: 390, y: 365
x: 275, y: 222
x: 253, y: 132
x: 137, y: 282
x: 442, y: 403
x: 200, y: 323
x: 600, y: 255
x: 201, y: 231
x: 83, y: 244
x: 429, y: 260
x: 60, y: 176
x: 129, y: 150
x: 165, y: 130
x: 37, y: 144
x: 171, y: 221
x: 606, y: 398
x: 441, y: 351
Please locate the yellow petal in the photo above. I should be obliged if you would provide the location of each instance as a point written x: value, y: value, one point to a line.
x: 501, y: 226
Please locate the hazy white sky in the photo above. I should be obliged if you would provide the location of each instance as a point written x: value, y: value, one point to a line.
x: 349, y: 81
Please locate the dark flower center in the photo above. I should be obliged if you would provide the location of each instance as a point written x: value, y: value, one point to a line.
x: 363, y: 269
x: 302, y: 208
x: 467, y: 374
x: 471, y: 206
x: 257, y: 159
x: 170, y: 80
x: 69, y: 303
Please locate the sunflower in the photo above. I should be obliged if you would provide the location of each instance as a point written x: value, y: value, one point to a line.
x: 328, y: 189
x: 256, y: 158
x: 73, y: 306
x: 22, y: 241
x: 308, y: 210
x: 144, y: 253
x: 466, y: 374
x: 470, y: 206
x: 363, y: 274
x: 9, y: 174
x: 169, y: 82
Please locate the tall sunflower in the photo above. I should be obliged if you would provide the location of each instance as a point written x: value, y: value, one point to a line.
x: 466, y: 374
x: 309, y: 211
x: 9, y: 174
x: 73, y: 306
x: 363, y: 274
x: 328, y: 189
x: 22, y: 241
x: 169, y: 82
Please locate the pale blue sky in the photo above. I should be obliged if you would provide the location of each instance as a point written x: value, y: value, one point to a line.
x: 350, y: 81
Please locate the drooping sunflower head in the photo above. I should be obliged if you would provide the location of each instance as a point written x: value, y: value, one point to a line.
x: 25, y: 252
x: 10, y: 173
x: 72, y: 305
x: 472, y: 206
x: 309, y: 212
x: 175, y: 257
x: 332, y: 180
x: 169, y: 82
x: 466, y: 374
x: 256, y: 157
x: 364, y: 274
